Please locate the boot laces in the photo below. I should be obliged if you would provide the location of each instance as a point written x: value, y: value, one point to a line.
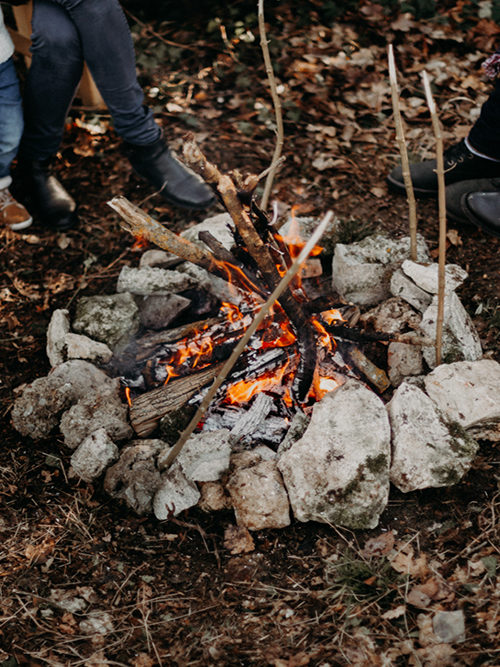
x: 6, y: 199
x: 455, y: 155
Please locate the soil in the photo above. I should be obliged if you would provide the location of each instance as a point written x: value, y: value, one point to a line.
x: 173, y: 593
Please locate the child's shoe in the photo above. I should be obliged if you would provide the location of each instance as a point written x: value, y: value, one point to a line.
x: 12, y: 213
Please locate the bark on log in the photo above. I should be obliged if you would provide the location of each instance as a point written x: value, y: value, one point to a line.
x: 147, y: 409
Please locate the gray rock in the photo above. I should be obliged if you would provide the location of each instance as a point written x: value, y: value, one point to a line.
x: 425, y: 276
x: 94, y: 455
x: 403, y: 360
x: 221, y: 226
x: 58, y: 328
x: 135, y: 478
x: 213, y: 497
x: 449, y: 626
x: 101, y: 409
x: 204, y: 457
x: 175, y: 494
x: 460, y: 339
x: 38, y: 405
x: 298, y: 425
x: 158, y: 311
x: 157, y: 258
x: 83, y: 347
x: 403, y: 287
x: 217, y: 287
x: 111, y: 319
x: 361, y: 272
x: 391, y: 316
x: 338, y: 472
x: 257, y: 492
x: 468, y: 392
x: 147, y: 281
x: 427, y: 450
x: 306, y: 227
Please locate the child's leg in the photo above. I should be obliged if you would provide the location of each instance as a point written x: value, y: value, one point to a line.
x: 11, y: 120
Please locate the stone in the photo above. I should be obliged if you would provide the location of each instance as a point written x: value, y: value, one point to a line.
x: 135, y: 478
x: 391, y: 316
x: 403, y: 360
x: 213, y: 497
x: 298, y: 425
x: 152, y: 280
x: 111, y: 319
x: 361, y: 272
x: 159, y: 310
x: 257, y: 491
x: 83, y: 347
x: 38, y: 406
x: 94, y: 455
x: 306, y: 226
x: 158, y: 258
x: 175, y: 494
x: 58, y: 327
x: 460, y: 339
x: 102, y: 408
x: 205, y: 456
x: 403, y: 287
x: 338, y: 472
x: 428, y: 451
x: 219, y: 288
x: 425, y: 276
x: 468, y: 392
x: 449, y: 626
x: 221, y: 226
x: 97, y: 623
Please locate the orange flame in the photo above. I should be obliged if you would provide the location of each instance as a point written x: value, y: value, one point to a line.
x: 244, y: 390
x: 127, y: 396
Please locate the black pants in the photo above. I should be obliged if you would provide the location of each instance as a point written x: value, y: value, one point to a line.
x: 485, y: 134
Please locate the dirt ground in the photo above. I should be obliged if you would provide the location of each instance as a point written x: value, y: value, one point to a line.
x: 136, y: 591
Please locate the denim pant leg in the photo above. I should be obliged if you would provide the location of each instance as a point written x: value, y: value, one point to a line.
x: 52, y: 80
x: 485, y: 134
x: 11, y: 118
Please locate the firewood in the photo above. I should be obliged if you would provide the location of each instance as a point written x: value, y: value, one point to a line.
x: 147, y: 409
x: 151, y: 341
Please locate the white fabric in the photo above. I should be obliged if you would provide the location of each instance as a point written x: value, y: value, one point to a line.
x: 6, y: 45
x: 5, y: 182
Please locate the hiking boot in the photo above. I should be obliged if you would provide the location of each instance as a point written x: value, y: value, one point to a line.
x: 483, y: 210
x: 12, y: 213
x: 460, y: 164
x: 46, y: 197
x: 456, y: 191
x: 176, y: 184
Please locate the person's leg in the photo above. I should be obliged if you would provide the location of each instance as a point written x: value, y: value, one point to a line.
x: 12, y: 213
x: 484, y: 136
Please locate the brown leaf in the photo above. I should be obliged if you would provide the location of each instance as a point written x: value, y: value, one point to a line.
x: 380, y: 545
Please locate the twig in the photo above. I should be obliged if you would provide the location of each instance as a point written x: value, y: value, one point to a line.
x: 442, y: 214
x: 410, y: 195
x: 226, y: 369
x: 277, y: 107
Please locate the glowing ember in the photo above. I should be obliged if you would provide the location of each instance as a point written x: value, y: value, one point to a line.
x: 127, y: 396
x: 242, y: 391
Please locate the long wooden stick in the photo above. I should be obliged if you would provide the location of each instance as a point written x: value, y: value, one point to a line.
x: 405, y: 165
x: 442, y: 214
x: 226, y: 369
x: 277, y: 108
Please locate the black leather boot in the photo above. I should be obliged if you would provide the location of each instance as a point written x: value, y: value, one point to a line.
x: 171, y: 178
x: 45, y: 197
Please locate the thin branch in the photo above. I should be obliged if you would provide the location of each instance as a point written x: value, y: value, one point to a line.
x: 442, y: 214
x: 226, y: 369
x: 410, y: 195
x: 277, y: 107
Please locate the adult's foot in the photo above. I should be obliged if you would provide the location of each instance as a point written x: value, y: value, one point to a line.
x: 456, y: 191
x: 169, y: 176
x: 460, y: 164
x: 483, y: 210
x: 46, y: 197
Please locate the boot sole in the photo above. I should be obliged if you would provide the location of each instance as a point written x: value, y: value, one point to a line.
x: 400, y: 188
x: 477, y: 222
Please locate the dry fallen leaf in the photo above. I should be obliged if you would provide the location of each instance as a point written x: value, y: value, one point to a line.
x: 394, y: 613
x: 380, y: 545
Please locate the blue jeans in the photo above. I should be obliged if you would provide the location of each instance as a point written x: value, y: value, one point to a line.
x: 11, y: 118
x: 65, y: 34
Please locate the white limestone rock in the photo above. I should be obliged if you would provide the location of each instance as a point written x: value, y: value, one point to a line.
x: 257, y: 491
x: 460, y: 338
x: 403, y: 287
x: 213, y: 497
x: 38, y: 405
x: 204, y: 457
x: 427, y: 450
x: 83, y: 347
x: 102, y: 408
x: 58, y: 327
x: 175, y: 494
x: 338, y: 472
x: 391, y: 316
x: 94, y: 455
x: 221, y: 226
x: 307, y: 225
x: 135, y: 477
x: 146, y: 281
x: 111, y: 319
x: 157, y: 258
x: 361, y: 272
x: 468, y: 392
x: 449, y: 626
x: 159, y: 310
x: 425, y: 276
x: 403, y: 360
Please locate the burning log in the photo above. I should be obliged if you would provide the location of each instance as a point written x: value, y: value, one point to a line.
x: 147, y: 409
